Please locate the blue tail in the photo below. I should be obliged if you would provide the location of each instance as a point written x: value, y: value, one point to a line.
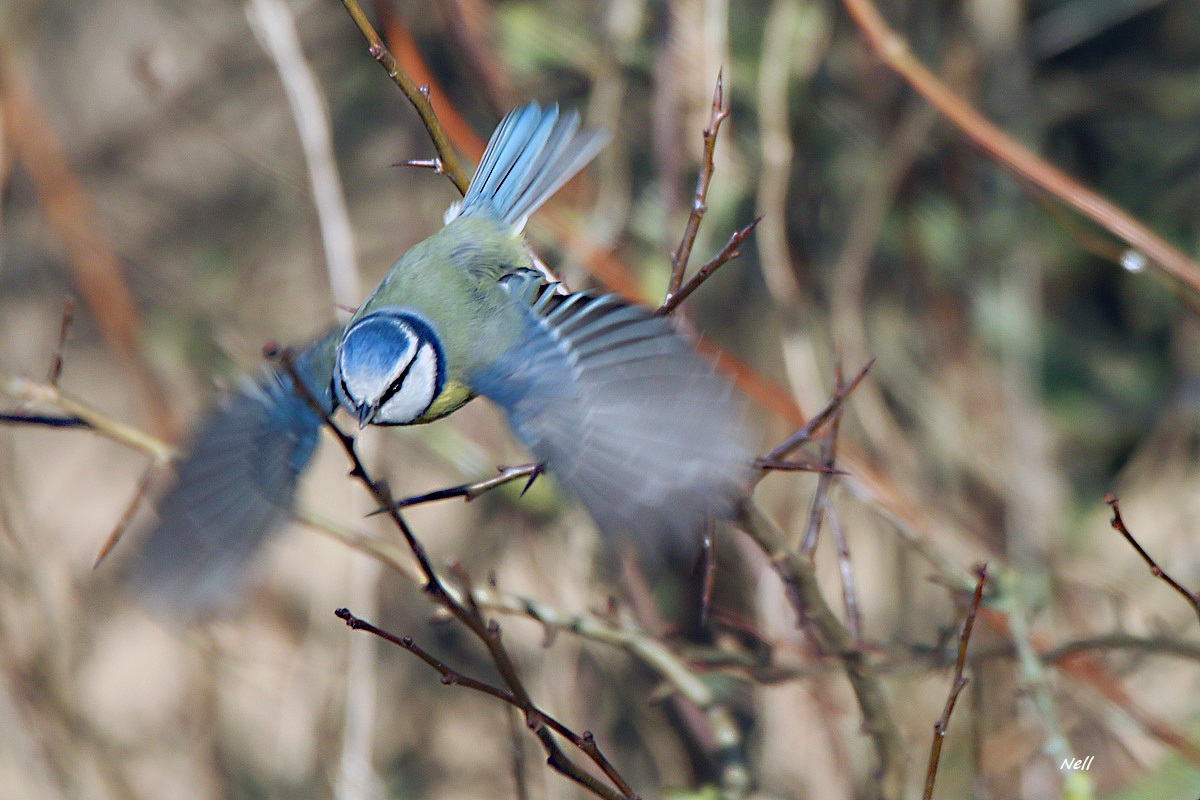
x: 532, y: 153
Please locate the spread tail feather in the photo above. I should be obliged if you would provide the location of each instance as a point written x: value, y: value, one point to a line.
x: 532, y: 153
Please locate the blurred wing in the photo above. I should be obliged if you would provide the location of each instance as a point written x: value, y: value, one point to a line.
x: 234, y: 487
x: 624, y: 413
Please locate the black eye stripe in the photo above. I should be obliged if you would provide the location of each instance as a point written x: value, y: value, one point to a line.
x: 423, y: 335
x: 398, y: 384
x: 345, y: 388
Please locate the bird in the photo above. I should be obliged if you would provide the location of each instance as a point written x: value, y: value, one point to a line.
x: 610, y: 398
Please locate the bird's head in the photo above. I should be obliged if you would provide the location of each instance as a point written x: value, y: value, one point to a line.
x: 389, y: 367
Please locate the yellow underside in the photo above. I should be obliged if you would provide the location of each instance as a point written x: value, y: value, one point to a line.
x: 454, y: 395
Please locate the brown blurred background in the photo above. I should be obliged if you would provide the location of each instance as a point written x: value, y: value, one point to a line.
x: 151, y: 168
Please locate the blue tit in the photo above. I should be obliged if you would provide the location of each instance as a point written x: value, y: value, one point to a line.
x: 611, y: 398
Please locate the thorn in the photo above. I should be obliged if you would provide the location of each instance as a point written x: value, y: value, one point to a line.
x: 434, y: 164
x: 143, y: 486
x: 424, y: 90
x: 533, y: 476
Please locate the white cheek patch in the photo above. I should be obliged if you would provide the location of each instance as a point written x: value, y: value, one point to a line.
x: 417, y: 392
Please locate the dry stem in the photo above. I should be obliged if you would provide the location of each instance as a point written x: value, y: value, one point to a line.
x: 679, y: 259
x: 1119, y: 525
x: 800, y: 578
x: 891, y: 48
x: 956, y: 687
x: 417, y: 95
x: 470, y: 615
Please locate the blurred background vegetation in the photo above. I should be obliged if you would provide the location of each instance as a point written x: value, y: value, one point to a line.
x: 151, y: 168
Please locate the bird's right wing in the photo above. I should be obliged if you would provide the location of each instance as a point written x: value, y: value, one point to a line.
x: 234, y: 486
x: 623, y: 412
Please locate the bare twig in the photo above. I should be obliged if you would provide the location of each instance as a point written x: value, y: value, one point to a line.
x: 849, y: 585
x: 939, y: 727
x: 727, y: 253
x: 679, y: 259
x: 1119, y: 525
x: 469, y: 614
x: 64, y: 329
x: 469, y: 491
x: 139, y: 496
x: 517, y: 755
x: 434, y: 164
x: 818, y: 420
x: 893, y: 51
x: 275, y: 26
x: 1118, y: 640
x: 534, y: 715
x: 804, y: 593
x: 450, y: 677
x: 44, y: 394
x: 796, y: 466
x: 43, y: 420
x: 70, y: 213
x: 820, y: 502
x: 417, y: 95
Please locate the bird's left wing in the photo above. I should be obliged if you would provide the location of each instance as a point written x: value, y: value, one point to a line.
x: 623, y: 412
x: 234, y: 486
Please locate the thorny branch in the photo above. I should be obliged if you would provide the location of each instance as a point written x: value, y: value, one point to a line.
x: 956, y: 687
x: 800, y: 578
x: 1119, y: 526
x: 727, y: 253
x: 469, y: 491
x: 621, y: 633
x: 820, y: 501
x: 417, y: 95
x: 470, y: 615
x: 585, y: 741
x: 814, y: 424
x: 679, y: 259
